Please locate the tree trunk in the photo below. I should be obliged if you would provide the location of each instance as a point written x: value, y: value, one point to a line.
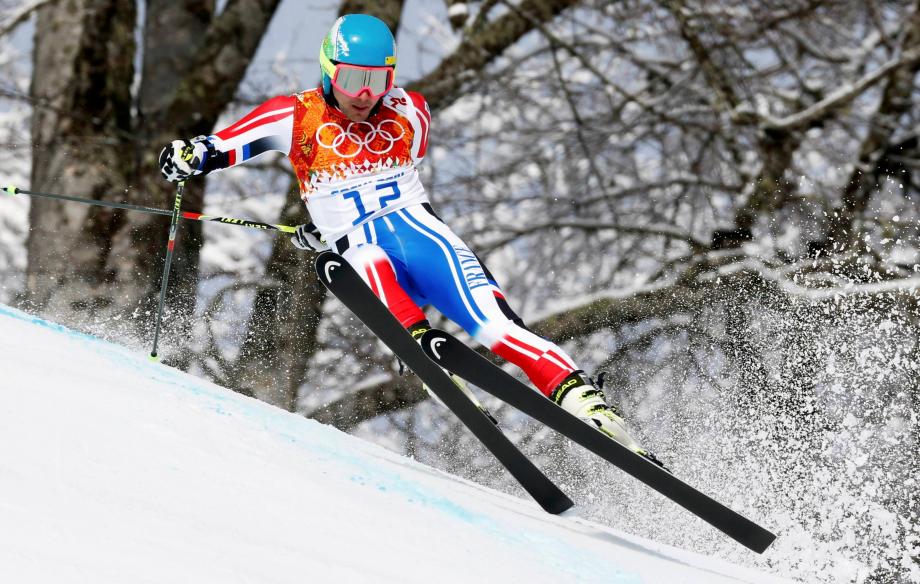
x: 88, y: 266
x: 281, y: 332
x: 82, y: 72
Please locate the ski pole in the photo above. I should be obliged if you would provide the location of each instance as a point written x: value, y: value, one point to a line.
x: 171, y: 244
x: 11, y: 190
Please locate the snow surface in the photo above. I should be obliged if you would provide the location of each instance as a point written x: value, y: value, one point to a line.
x: 117, y: 469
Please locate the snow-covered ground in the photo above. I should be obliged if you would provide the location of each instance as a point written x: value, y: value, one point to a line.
x: 116, y: 469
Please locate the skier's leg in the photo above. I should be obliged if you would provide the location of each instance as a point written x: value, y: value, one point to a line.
x: 454, y: 280
x: 378, y: 270
x: 575, y: 392
x: 449, y: 276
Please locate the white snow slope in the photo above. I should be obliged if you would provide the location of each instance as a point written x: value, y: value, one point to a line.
x: 114, y: 469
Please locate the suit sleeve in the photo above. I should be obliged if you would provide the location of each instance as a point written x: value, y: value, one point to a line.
x: 420, y: 117
x: 269, y: 127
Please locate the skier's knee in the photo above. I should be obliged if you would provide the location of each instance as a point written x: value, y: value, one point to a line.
x: 370, y: 258
x: 366, y: 255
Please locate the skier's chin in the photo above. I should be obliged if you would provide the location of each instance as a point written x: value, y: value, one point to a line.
x: 358, y: 113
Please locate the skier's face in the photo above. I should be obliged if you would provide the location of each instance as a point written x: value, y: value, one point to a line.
x: 356, y: 109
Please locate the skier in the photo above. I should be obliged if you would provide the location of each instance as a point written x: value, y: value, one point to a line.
x: 354, y: 143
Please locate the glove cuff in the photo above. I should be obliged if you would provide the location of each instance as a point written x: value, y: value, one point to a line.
x: 211, y: 158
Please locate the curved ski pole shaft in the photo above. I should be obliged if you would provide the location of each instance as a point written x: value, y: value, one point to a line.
x: 11, y: 190
x: 170, y: 245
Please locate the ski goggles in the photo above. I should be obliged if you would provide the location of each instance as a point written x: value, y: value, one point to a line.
x: 353, y: 80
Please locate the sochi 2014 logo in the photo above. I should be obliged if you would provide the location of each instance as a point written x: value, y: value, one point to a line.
x: 349, y: 141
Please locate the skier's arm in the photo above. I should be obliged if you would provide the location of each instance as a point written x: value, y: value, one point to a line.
x: 266, y: 128
x: 419, y: 116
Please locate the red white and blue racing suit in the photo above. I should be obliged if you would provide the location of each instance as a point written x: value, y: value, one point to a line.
x: 360, y: 183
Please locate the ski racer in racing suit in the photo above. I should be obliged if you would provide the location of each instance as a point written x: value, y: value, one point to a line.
x: 355, y: 143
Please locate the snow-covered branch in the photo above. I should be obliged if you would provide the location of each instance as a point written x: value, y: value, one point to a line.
x: 842, y: 96
x: 512, y: 232
x: 687, y: 296
x: 23, y: 13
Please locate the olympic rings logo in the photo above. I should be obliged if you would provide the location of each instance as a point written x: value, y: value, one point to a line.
x: 348, y: 142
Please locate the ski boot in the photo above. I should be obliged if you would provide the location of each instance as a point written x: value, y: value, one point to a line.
x: 586, y: 402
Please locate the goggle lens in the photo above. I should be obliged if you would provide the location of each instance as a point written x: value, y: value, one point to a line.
x: 352, y: 80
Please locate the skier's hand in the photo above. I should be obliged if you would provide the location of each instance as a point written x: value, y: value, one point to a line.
x: 307, y: 237
x: 182, y: 159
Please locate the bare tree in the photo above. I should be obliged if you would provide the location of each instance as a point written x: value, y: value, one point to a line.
x: 714, y: 201
x: 94, y: 134
x: 281, y: 332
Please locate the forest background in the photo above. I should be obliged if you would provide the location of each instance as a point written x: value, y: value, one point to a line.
x: 713, y: 202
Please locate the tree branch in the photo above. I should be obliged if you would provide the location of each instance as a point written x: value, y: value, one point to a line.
x: 24, y: 13
x: 446, y: 83
x: 665, y: 231
x: 692, y: 292
x: 230, y: 43
x: 714, y: 73
x: 389, y: 396
x: 823, y: 109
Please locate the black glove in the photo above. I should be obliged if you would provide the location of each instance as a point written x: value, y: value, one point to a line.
x: 182, y: 159
x: 308, y: 237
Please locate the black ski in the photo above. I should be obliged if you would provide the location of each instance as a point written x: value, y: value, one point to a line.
x: 457, y: 357
x: 343, y: 281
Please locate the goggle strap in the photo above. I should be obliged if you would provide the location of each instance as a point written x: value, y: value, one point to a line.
x: 326, y: 64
